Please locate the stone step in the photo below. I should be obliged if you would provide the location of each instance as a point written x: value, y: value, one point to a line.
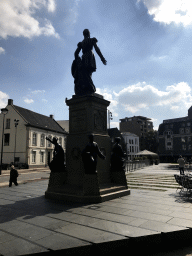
x: 108, y: 188
x: 154, y: 184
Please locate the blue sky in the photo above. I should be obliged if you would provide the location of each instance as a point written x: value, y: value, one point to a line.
x: 147, y: 45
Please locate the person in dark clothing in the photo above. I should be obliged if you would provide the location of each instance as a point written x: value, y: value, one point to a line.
x: 89, y: 156
x: 13, y: 176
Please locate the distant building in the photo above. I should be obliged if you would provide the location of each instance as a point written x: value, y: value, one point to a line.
x: 175, y: 138
x: 132, y: 144
x: 138, y: 125
x: 64, y: 124
x: 29, y: 146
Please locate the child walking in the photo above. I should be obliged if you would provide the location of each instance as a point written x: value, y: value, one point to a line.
x: 13, y: 176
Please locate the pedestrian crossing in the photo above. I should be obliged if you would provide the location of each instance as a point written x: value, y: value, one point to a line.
x: 159, y: 182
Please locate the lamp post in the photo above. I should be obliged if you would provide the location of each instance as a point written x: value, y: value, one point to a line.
x: 4, y: 111
x: 16, y: 121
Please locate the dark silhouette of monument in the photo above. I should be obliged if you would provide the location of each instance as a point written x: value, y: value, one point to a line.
x: 87, y: 179
x: 57, y: 163
x: 82, y: 68
x: 117, y: 157
x: 89, y: 156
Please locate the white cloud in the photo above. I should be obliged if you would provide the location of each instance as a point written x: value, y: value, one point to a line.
x: 16, y: 18
x: 28, y: 101
x: 2, y: 50
x: 142, y: 96
x: 3, y: 99
x: 167, y: 11
x: 38, y: 91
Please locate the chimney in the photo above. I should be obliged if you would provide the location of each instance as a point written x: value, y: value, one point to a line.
x: 10, y: 102
x: 51, y: 116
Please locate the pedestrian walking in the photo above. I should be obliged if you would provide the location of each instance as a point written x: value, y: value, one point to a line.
x: 181, y: 162
x: 13, y: 176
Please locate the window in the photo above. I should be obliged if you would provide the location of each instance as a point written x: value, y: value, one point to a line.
x: 189, y: 139
x: 6, y: 139
x: 42, y: 157
x: 188, y: 124
x: 181, y: 130
x: 184, y: 147
x: 49, y: 143
x: 132, y: 148
x: 183, y: 125
x: 33, y: 156
x: 189, y: 147
x: 136, y: 142
x: 187, y: 130
x: 60, y: 141
x: 34, y: 141
x: 7, y: 126
x: 42, y: 143
x: 17, y: 159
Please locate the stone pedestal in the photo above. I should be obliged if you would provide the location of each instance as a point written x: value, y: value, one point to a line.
x: 88, y: 114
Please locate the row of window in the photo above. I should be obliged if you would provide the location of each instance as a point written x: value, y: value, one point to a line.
x: 42, y: 140
x: 34, y: 140
x: 133, y: 149
x: 182, y: 125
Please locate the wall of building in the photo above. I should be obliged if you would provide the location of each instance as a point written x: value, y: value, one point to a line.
x: 39, y: 154
x: 9, y: 148
x: 132, y: 144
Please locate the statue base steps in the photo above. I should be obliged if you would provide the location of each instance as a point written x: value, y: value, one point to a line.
x: 74, y: 193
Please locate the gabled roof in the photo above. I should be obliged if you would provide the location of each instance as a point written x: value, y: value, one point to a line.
x: 39, y: 121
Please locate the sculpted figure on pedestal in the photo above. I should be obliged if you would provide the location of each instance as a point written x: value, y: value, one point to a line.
x: 57, y: 163
x: 89, y: 156
x: 82, y: 68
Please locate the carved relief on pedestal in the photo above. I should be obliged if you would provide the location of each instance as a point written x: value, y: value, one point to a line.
x: 100, y: 120
x: 78, y: 121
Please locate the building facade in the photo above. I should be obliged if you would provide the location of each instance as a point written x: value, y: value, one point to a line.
x: 132, y: 144
x: 26, y: 144
x: 138, y: 125
x: 175, y: 138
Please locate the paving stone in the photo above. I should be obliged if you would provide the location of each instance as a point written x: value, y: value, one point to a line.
x: 122, y: 229
x: 20, y: 247
x: 60, y: 241
x: 89, y: 234
x: 160, y: 226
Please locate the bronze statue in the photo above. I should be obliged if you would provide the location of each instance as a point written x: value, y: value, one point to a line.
x: 82, y: 68
x: 117, y: 157
x: 89, y: 156
x: 57, y: 163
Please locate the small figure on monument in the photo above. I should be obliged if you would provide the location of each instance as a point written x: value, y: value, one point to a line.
x: 117, y: 157
x: 89, y: 156
x: 82, y: 68
x: 57, y: 164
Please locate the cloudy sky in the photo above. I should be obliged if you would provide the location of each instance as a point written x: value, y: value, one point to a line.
x: 147, y: 45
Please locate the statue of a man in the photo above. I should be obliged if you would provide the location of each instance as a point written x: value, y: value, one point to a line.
x: 82, y: 68
x: 117, y: 157
x: 89, y: 156
x: 57, y: 163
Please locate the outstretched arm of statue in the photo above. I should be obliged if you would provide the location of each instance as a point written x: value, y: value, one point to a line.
x: 100, y: 54
x: 48, y: 139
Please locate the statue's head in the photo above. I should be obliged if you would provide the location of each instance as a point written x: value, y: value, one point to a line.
x: 117, y: 139
x: 86, y: 32
x: 54, y: 140
x: 91, y: 137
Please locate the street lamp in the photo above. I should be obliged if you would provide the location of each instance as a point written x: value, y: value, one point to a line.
x: 16, y: 121
x: 4, y: 111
